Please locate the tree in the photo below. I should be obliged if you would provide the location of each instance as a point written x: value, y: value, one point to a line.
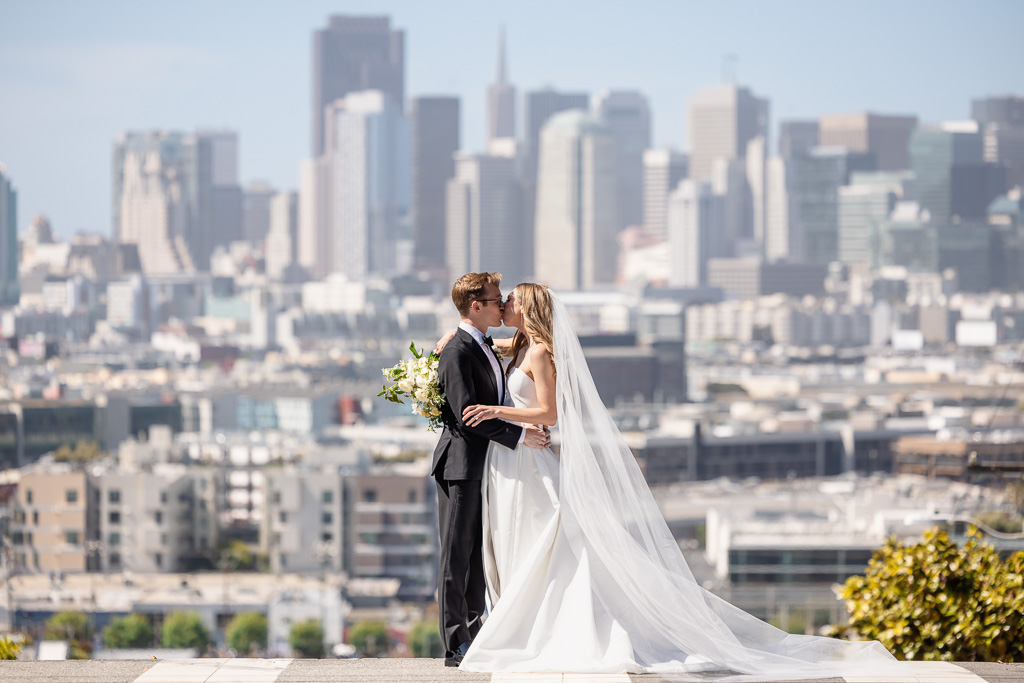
x: 246, y: 631
x: 935, y: 600
x: 425, y: 640
x: 184, y: 630
x: 307, y: 638
x: 369, y: 638
x: 84, y: 451
x: 133, y: 630
x: 236, y: 556
x: 73, y: 627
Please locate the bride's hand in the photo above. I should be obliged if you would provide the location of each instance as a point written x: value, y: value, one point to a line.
x: 474, y: 415
x: 442, y: 341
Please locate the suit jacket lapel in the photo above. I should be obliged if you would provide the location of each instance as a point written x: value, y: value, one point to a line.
x: 481, y: 356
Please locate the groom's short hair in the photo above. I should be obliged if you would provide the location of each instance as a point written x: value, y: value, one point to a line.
x: 470, y: 287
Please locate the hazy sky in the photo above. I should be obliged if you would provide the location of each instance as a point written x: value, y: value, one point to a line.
x: 75, y: 73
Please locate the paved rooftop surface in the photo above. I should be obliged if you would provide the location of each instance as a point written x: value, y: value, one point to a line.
x: 422, y: 671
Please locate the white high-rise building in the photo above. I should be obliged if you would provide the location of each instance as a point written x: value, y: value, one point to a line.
x: 757, y: 158
x: 316, y: 220
x: 370, y: 154
x: 575, y: 238
x: 780, y: 242
x: 722, y: 120
x: 283, y: 238
x: 484, y: 218
x: 628, y: 116
x: 696, y: 232
x: 663, y: 169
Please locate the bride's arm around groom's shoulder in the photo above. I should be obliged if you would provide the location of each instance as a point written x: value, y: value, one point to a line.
x: 539, y: 366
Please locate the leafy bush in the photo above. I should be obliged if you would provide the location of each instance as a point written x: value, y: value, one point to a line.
x: 425, y: 640
x: 133, y: 630
x: 184, y: 630
x: 935, y: 600
x: 9, y: 649
x: 246, y: 631
x: 73, y: 627
x: 369, y: 638
x: 307, y: 638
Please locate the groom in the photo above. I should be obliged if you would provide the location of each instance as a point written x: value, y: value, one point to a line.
x: 469, y: 373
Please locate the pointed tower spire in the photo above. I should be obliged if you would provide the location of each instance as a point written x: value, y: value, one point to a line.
x: 501, y: 56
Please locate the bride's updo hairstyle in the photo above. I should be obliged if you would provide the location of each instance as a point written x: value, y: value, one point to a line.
x: 535, y: 303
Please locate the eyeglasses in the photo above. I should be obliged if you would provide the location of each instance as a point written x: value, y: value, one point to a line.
x: 500, y: 300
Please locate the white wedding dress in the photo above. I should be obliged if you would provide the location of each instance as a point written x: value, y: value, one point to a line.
x: 583, y: 574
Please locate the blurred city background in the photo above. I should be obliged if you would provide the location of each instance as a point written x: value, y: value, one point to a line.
x: 791, y: 237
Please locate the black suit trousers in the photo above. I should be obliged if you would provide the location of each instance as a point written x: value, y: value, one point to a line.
x: 460, y: 580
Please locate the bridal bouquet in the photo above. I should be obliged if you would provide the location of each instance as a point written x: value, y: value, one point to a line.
x: 416, y: 378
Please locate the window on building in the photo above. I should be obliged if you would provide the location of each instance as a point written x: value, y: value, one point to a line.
x: 115, y: 538
x: 114, y: 496
x: 35, y: 517
x: 370, y: 496
x: 163, y: 539
x: 412, y: 495
x: 115, y: 560
x: 17, y: 538
x: 28, y: 538
x: 163, y: 496
x: 28, y: 496
x: 115, y: 517
x: 277, y: 539
x: 328, y: 497
x: 283, y: 561
x: 283, y: 516
x: 327, y: 537
x: 71, y: 537
x: 159, y: 517
x: 158, y: 559
x: 327, y: 518
x: 71, y: 495
x: 277, y: 498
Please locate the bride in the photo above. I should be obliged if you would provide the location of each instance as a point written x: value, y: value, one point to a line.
x: 582, y: 572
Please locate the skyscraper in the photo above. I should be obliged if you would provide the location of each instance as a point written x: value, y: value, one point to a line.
x: 353, y: 54
x: 626, y: 113
x: 886, y: 137
x: 501, y: 100
x: 797, y: 137
x: 10, y: 292
x: 576, y: 246
x: 485, y: 218
x: 256, y: 198
x: 934, y: 151
x: 435, y: 139
x: 781, y: 241
x: 1002, y: 122
x: 226, y: 195
x: 722, y: 120
x: 283, y: 237
x: 316, y: 216
x: 370, y: 183
x: 864, y: 207
x: 663, y: 169
x: 696, y: 232
x: 815, y: 179
x: 163, y: 199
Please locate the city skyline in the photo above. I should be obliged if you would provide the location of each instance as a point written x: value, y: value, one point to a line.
x: 176, y: 74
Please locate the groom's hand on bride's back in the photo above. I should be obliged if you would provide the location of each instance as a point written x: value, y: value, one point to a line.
x: 537, y: 437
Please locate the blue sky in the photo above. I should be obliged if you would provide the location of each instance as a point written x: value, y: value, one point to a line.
x: 75, y: 73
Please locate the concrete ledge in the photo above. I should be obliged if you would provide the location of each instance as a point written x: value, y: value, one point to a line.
x: 419, y: 671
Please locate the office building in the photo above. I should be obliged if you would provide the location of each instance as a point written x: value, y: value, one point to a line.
x: 576, y: 246
x: 355, y: 53
x: 501, y: 100
x: 256, y: 198
x: 663, y: 169
x: 627, y: 115
x: 934, y: 151
x: 485, y: 218
x: 815, y: 181
x: 316, y: 216
x: 781, y: 240
x: 885, y: 137
x: 696, y: 232
x: 864, y: 206
x: 369, y: 184
x: 722, y: 120
x: 797, y: 137
x: 435, y: 139
x: 283, y: 239
x: 10, y: 292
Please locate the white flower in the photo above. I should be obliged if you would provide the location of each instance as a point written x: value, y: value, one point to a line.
x: 406, y: 385
x: 422, y: 395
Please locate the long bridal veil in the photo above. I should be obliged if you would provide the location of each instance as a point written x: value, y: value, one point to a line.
x: 639, y: 573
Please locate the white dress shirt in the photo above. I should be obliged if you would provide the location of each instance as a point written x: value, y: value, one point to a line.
x: 495, y: 365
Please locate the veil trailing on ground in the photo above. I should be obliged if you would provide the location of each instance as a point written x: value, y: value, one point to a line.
x: 639, y: 573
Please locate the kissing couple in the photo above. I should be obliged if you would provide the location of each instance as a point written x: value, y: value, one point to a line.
x: 564, y: 563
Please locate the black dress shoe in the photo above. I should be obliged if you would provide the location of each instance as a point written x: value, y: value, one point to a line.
x: 455, y: 658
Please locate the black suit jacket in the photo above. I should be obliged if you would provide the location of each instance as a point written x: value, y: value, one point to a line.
x: 466, y: 378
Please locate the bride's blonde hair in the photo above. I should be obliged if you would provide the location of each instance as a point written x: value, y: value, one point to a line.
x: 538, y: 319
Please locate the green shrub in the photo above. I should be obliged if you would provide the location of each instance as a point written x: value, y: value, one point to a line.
x: 184, y: 630
x: 307, y: 638
x: 133, y: 630
x: 246, y: 631
x: 369, y: 638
